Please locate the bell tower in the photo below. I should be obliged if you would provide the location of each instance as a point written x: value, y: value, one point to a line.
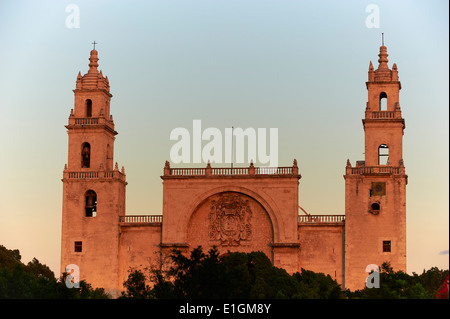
x: 375, y: 189
x: 93, y: 188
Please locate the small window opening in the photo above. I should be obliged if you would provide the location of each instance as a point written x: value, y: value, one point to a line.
x: 374, y: 208
x: 88, y: 108
x: 386, y: 246
x: 383, y: 101
x: 383, y: 155
x: 86, y: 155
x: 91, y: 204
x: 78, y: 247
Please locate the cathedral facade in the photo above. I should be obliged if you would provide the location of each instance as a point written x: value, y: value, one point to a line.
x: 234, y: 209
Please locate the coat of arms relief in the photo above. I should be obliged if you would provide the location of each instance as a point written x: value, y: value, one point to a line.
x: 230, y: 220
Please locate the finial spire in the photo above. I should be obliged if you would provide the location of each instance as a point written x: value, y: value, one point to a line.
x: 383, y: 60
x: 93, y: 61
x: 94, y: 43
x: 382, y: 39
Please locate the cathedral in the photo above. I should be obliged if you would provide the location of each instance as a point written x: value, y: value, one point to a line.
x: 234, y: 209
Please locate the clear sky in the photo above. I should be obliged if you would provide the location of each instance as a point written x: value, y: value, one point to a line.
x: 299, y: 66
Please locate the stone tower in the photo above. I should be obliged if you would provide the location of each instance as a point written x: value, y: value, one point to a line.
x: 375, y: 189
x: 93, y: 189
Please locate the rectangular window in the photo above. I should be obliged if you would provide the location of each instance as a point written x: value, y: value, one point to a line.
x: 386, y: 246
x: 78, y: 246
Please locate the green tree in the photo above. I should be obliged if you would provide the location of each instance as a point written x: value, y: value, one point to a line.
x: 36, y: 280
x: 431, y: 279
x: 394, y: 285
x: 9, y: 258
x: 252, y: 275
x: 317, y: 286
x: 162, y: 288
x: 40, y: 270
x: 135, y: 285
x: 269, y: 281
x: 200, y: 276
x: 231, y: 275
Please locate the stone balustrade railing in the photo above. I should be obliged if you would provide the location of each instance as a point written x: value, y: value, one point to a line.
x: 321, y: 219
x: 382, y: 169
x: 228, y: 171
x: 302, y: 219
x: 396, y: 114
x: 81, y: 175
x: 140, y: 219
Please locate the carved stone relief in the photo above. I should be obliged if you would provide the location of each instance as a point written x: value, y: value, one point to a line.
x: 230, y: 220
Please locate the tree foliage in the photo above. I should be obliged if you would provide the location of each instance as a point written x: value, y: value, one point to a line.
x: 233, y: 275
x: 252, y: 275
x: 213, y: 276
x: 36, y: 280
x: 399, y: 285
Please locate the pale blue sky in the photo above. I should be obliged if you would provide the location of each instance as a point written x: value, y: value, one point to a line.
x: 300, y: 66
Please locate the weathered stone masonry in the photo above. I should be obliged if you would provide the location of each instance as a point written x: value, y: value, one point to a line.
x: 235, y: 209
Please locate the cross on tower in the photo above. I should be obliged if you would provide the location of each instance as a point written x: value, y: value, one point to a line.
x: 94, y: 43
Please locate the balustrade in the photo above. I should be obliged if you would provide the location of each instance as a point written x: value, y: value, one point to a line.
x: 140, y: 219
x: 94, y: 175
x: 376, y: 170
x: 86, y: 121
x: 228, y: 171
x: 383, y: 114
x: 321, y: 218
